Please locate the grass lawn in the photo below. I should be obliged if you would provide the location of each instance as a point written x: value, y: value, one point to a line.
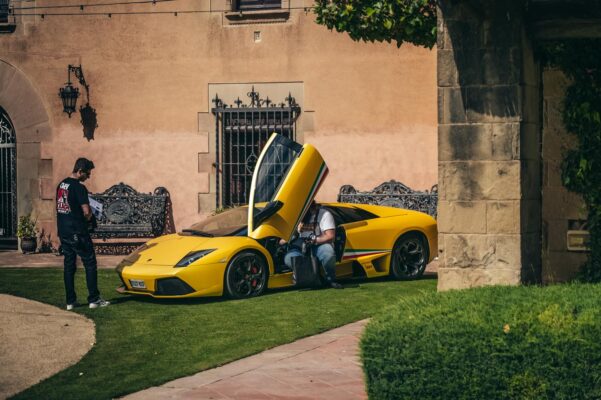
x: 144, y: 342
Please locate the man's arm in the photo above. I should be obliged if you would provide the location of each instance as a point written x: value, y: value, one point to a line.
x: 327, y: 224
x: 81, y: 196
x: 326, y: 237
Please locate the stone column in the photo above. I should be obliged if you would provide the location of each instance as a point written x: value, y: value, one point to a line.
x: 488, y: 148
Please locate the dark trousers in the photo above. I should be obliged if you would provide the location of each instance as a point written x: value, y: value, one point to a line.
x: 82, y: 246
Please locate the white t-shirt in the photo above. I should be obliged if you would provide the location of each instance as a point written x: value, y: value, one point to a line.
x: 325, y: 221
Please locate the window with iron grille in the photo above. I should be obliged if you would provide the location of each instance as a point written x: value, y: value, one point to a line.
x: 8, y: 177
x: 4, y: 11
x: 241, y: 132
x: 250, y: 5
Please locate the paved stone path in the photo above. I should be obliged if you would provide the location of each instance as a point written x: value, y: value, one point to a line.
x: 324, y: 366
x: 38, y: 340
x: 12, y: 258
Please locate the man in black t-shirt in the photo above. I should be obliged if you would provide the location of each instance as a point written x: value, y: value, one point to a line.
x: 73, y: 214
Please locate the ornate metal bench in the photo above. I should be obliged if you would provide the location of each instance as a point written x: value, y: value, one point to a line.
x: 393, y: 194
x: 128, y: 215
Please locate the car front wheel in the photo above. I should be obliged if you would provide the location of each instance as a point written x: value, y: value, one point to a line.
x: 409, y: 257
x: 245, y: 276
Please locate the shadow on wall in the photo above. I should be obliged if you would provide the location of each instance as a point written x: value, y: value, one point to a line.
x: 484, y: 37
x: 169, y: 221
x: 89, y: 121
x: 479, y: 71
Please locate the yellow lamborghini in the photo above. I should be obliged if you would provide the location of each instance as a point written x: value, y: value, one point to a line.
x: 237, y: 252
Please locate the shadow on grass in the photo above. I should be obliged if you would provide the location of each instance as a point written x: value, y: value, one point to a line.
x: 152, y: 300
x: 347, y: 283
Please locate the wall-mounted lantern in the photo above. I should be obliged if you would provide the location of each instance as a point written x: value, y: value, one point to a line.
x: 69, y: 95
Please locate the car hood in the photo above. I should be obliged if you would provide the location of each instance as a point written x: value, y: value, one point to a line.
x: 169, y: 250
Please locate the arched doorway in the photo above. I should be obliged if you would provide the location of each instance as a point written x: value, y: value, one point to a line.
x: 8, y: 182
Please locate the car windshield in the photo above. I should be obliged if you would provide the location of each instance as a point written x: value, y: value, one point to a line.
x: 226, y: 223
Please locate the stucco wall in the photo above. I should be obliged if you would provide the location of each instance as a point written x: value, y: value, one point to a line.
x: 372, y: 105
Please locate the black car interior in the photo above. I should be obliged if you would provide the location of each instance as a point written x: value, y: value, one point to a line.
x: 342, y: 215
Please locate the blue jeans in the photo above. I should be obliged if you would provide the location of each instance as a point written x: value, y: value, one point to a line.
x: 325, y: 254
x: 82, y: 246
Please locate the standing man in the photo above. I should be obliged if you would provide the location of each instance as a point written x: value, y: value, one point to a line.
x: 73, y: 214
x: 319, y: 228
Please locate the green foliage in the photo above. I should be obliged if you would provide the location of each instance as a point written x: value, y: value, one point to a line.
x: 26, y: 227
x: 142, y: 342
x: 412, y: 21
x: 488, y: 343
x: 580, y: 60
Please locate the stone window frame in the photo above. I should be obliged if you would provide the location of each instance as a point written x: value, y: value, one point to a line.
x: 207, y: 168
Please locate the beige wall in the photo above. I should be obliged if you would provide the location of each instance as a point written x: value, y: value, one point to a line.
x: 371, y: 106
x: 559, y: 206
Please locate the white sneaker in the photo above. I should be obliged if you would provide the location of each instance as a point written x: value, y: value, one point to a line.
x: 99, y: 303
x: 70, y: 307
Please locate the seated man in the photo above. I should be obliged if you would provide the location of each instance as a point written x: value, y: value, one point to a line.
x: 318, y: 227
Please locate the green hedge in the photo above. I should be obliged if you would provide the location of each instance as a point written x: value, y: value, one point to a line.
x: 488, y: 343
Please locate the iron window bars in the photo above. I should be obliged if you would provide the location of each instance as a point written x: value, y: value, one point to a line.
x: 7, y: 24
x: 4, y: 11
x: 241, y: 132
x: 254, y: 5
x: 8, y: 177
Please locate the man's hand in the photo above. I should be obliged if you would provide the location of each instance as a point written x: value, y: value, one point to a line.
x: 87, y: 212
x: 282, y: 242
x: 92, y: 224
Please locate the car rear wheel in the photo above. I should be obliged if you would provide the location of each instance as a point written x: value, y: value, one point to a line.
x: 409, y: 257
x: 246, y: 276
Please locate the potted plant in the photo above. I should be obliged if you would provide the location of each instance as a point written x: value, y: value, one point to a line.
x: 27, y: 232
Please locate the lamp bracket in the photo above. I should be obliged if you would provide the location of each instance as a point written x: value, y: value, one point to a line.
x: 78, y: 72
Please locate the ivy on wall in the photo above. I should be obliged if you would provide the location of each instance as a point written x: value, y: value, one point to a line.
x: 580, y: 60
x: 412, y: 21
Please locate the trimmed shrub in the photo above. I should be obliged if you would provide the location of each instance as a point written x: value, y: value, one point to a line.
x: 488, y: 343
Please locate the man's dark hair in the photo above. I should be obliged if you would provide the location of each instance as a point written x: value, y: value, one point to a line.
x: 312, y: 207
x: 83, y: 164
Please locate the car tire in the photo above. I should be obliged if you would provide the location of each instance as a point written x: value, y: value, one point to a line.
x: 245, y: 276
x: 409, y: 257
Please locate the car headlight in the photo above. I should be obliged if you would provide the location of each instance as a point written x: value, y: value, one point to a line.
x: 193, y: 256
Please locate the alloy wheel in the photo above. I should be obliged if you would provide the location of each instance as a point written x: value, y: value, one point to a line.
x: 246, y: 276
x: 409, y: 257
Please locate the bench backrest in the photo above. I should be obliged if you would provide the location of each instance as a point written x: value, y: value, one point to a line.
x: 127, y: 213
x: 393, y: 194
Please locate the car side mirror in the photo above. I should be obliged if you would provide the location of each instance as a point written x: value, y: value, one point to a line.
x: 271, y: 208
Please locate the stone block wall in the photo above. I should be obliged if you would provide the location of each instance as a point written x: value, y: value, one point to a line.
x: 34, y: 186
x: 489, y: 146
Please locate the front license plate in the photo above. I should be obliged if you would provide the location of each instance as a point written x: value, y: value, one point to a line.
x: 136, y: 284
